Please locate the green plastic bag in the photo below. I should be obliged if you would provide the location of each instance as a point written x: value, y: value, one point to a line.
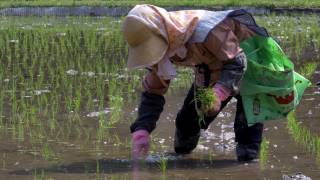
x: 270, y: 88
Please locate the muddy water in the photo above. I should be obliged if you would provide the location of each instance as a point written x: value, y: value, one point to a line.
x: 310, y: 116
x: 214, y: 158
x: 77, y: 148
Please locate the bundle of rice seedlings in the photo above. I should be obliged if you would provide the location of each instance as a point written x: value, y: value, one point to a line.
x: 206, y: 99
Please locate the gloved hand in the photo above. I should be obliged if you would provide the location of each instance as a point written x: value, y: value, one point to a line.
x: 221, y: 93
x: 140, y: 144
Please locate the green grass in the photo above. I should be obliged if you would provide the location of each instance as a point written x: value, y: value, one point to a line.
x: 192, y: 3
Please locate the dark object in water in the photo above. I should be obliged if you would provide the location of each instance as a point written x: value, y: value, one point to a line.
x: 247, y: 152
x: 297, y: 176
x: 318, y: 83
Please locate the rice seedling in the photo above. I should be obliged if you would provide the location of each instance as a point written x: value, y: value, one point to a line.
x: 41, y: 175
x: 102, y: 131
x: 127, y: 143
x: 77, y: 100
x: 1, y: 108
x: 211, y: 155
x: 4, y: 163
x: 48, y: 154
x: 163, y: 164
x: 183, y: 80
x: 118, y: 177
x: 303, y: 136
x: 21, y: 129
x: 294, y: 34
x: 153, y: 146
x: 263, y: 154
x: 56, y: 70
x: 98, y: 168
x: 116, y: 103
x: 117, y: 141
x: 206, y: 99
x: 307, y: 69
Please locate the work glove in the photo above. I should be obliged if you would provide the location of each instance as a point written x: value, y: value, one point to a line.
x: 221, y: 93
x: 140, y: 144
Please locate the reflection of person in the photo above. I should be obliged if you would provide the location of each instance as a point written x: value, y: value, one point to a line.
x: 206, y: 41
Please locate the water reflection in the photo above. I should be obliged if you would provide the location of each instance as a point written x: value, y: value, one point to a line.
x: 66, y: 103
x: 125, y: 165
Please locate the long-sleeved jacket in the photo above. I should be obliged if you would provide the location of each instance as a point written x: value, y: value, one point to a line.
x: 220, y: 53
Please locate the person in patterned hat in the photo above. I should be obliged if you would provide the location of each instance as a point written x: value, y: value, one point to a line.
x: 206, y: 41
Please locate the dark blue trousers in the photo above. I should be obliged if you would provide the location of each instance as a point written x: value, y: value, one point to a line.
x: 187, y: 122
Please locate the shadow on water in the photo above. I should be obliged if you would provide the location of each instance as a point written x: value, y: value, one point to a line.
x: 109, y: 166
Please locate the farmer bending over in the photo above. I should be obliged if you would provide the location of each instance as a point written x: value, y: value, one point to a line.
x: 206, y: 41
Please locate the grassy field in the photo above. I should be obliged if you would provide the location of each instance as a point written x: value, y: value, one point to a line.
x: 193, y: 3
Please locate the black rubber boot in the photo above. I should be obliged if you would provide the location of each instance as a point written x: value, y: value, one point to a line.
x: 185, y: 145
x: 248, y: 138
x: 248, y: 152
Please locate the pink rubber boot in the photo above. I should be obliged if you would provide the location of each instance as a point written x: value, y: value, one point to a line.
x: 140, y: 144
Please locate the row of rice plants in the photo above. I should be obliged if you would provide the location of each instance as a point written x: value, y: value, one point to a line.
x: 190, y: 3
x: 55, y: 71
x: 297, y: 34
x: 54, y: 76
x: 303, y: 136
x: 300, y: 134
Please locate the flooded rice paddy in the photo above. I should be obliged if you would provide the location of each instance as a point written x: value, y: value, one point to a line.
x: 67, y: 100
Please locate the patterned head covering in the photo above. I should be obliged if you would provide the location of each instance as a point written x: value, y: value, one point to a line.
x: 175, y: 28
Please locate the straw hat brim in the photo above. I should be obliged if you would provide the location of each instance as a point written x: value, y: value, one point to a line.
x: 148, y: 53
x: 146, y: 47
